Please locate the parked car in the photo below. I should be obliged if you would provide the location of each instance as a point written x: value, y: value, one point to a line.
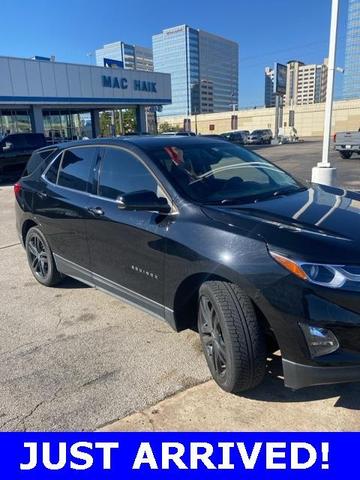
x: 214, y: 136
x: 208, y: 235
x: 347, y: 143
x: 16, y: 149
x: 260, y: 137
x: 180, y: 133
x: 239, y: 137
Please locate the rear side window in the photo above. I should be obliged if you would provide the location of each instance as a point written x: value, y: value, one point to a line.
x: 121, y: 172
x: 36, y: 160
x: 75, y: 168
x: 52, y: 173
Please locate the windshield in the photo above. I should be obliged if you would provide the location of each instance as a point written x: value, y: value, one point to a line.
x: 221, y: 173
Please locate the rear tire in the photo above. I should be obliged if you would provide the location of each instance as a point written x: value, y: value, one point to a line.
x: 346, y: 155
x: 232, y: 340
x: 40, y: 258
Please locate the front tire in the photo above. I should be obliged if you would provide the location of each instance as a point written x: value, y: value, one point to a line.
x: 346, y: 155
x: 231, y: 336
x: 40, y: 258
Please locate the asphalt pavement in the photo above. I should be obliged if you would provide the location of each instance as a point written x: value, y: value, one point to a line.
x: 73, y: 358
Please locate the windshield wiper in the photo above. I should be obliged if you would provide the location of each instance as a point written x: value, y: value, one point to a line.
x: 287, y: 191
x: 256, y: 198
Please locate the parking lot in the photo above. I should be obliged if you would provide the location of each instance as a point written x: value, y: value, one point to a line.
x: 73, y: 358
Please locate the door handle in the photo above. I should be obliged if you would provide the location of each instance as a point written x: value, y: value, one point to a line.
x: 97, y: 211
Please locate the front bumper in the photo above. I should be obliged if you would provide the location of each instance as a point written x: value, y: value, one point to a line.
x: 291, y: 303
x: 298, y: 376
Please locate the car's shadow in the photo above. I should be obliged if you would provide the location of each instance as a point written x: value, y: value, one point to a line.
x: 273, y: 390
x: 72, y: 283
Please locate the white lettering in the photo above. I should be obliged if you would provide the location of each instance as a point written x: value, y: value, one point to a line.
x: 32, y: 446
x: 174, y: 456
x: 204, y: 457
x: 272, y: 454
x: 78, y: 454
x: 295, y: 447
x: 145, y: 455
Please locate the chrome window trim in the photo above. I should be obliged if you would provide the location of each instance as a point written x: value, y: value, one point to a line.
x: 174, y: 209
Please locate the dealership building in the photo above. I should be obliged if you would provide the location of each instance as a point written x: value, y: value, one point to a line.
x: 69, y: 101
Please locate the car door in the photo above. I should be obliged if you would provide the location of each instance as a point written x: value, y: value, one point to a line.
x: 127, y: 248
x: 60, y: 204
x: 13, y: 152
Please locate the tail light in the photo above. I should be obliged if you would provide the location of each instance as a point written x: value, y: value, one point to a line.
x: 17, y: 189
x: 335, y: 138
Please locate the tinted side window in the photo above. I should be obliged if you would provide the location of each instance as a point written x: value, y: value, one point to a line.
x: 17, y: 140
x: 34, y: 140
x: 75, y: 168
x: 120, y: 172
x: 37, y: 158
x: 52, y: 173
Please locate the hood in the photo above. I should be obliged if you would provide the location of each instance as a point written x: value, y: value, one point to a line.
x: 320, y: 224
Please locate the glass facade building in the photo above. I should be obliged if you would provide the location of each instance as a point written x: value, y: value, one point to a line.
x: 14, y: 121
x: 203, y: 67
x: 352, y: 52
x: 132, y: 57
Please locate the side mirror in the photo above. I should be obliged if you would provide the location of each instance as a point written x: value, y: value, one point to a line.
x: 144, y: 200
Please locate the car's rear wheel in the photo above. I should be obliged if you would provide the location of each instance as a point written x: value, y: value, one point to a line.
x: 40, y: 258
x: 231, y: 336
x: 346, y: 155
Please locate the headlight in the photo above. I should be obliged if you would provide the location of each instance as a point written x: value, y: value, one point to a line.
x: 332, y: 276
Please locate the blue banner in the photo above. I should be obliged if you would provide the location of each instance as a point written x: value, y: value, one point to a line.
x: 180, y: 455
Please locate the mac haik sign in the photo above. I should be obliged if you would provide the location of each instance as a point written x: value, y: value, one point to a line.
x: 122, y: 83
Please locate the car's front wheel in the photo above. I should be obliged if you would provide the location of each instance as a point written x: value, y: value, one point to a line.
x: 40, y: 258
x: 231, y: 336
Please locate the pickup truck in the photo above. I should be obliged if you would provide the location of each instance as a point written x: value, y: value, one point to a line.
x: 16, y: 149
x: 347, y: 143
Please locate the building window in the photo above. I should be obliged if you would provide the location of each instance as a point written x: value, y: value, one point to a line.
x: 14, y: 121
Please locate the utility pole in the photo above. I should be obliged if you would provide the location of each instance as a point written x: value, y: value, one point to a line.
x: 324, y: 173
x: 277, y: 117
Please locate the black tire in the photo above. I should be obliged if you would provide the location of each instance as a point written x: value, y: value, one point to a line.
x: 40, y: 258
x: 231, y: 336
x: 346, y: 155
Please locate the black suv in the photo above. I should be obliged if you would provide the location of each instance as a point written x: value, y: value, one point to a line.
x: 207, y: 235
x: 16, y: 149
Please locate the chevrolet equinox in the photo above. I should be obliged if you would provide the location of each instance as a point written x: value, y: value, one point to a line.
x: 207, y: 235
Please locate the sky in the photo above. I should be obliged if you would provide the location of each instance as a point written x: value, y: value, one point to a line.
x: 266, y: 30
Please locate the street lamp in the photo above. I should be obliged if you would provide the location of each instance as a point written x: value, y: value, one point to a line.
x: 324, y: 173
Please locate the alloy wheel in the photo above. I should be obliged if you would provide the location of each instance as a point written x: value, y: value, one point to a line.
x: 39, y: 259
x: 212, y: 337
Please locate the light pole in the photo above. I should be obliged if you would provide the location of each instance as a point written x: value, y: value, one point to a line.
x: 324, y: 173
x: 90, y: 56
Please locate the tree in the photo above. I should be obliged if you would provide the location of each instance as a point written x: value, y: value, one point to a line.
x: 129, y: 120
x: 105, y: 124
x: 167, y: 127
